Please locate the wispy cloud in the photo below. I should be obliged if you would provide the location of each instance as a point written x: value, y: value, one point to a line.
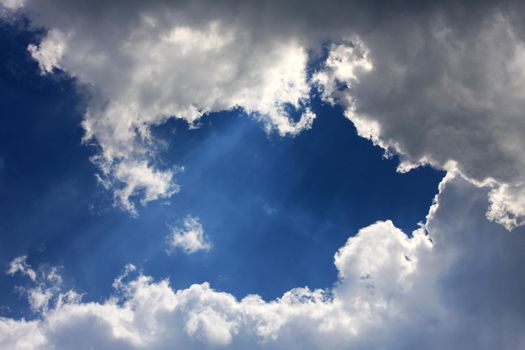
x: 20, y: 265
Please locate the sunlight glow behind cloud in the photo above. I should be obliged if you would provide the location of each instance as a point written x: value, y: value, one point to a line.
x: 426, y: 83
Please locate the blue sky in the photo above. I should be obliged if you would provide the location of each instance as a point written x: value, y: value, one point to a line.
x: 276, y: 209
x: 305, y: 175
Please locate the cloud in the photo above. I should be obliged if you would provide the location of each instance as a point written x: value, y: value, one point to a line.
x: 20, y: 335
x: 137, y: 177
x: 158, y: 66
x: 20, y: 265
x: 190, y: 238
x: 454, y: 283
x: 47, y: 282
x: 12, y: 4
x: 442, y: 92
x: 50, y: 51
x: 436, y: 83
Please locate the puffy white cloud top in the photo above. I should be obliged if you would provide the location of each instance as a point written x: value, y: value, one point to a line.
x: 453, y: 284
x: 162, y: 67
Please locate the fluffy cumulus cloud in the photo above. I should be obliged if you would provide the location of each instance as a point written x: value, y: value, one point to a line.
x: 438, y: 83
x: 147, y: 65
x: 190, y: 238
x: 452, y: 284
x: 442, y: 91
x: 434, y: 82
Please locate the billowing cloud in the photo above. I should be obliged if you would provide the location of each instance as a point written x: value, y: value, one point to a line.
x: 454, y: 283
x: 156, y: 65
x: 438, y: 83
x: 190, y: 238
x: 442, y: 92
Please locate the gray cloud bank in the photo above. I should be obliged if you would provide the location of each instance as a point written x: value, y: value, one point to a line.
x: 445, y: 84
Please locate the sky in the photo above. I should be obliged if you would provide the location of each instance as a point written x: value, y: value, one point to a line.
x: 271, y: 175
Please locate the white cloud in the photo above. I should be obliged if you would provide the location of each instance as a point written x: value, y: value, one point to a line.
x: 424, y: 82
x: 161, y: 68
x: 138, y: 177
x: 39, y: 298
x: 20, y: 335
x: 47, y: 282
x: 442, y: 92
x: 49, y: 52
x: 20, y: 265
x: 438, y: 84
x: 432, y: 85
x: 507, y: 205
x: 12, y: 4
x: 191, y: 237
x: 439, y: 288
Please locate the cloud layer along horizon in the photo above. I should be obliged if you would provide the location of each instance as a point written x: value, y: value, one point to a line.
x: 448, y: 285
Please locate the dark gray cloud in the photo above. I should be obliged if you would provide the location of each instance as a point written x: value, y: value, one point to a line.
x: 448, y: 88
